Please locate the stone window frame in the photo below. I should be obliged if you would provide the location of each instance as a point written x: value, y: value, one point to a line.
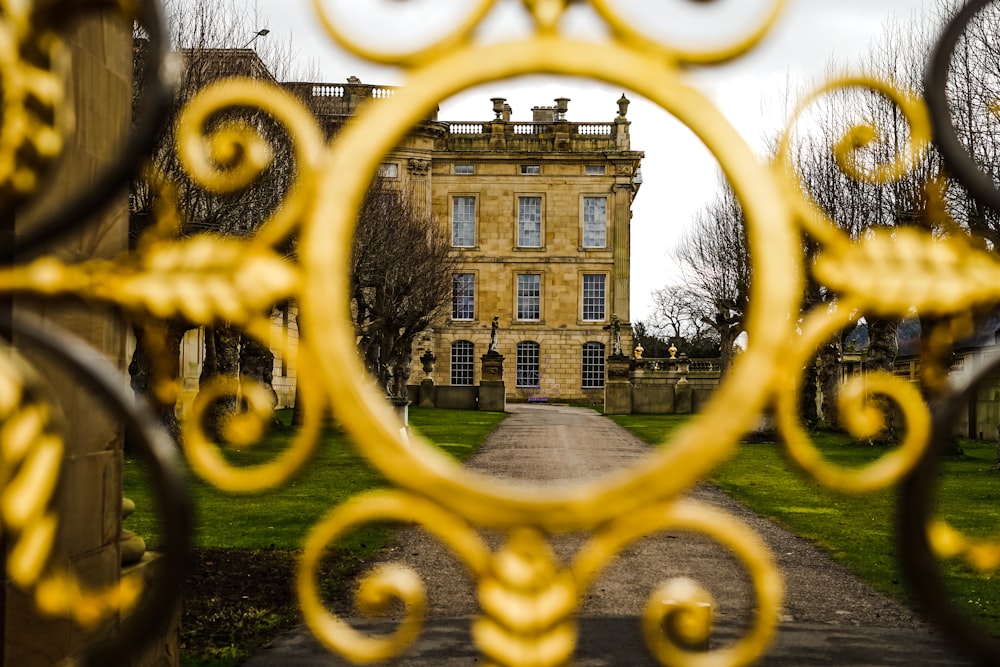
x: 595, y: 170
x: 584, y: 297
x: 452, y: 202
x: 527, y: 366
x: 460, y: 169
x: 541, y: 220
x: 584, y: 197
x: 522, y: 292
x: 455, y: 296
x: 592, y: 364
x: 463, y: 363
x: 388, y: 170
x: 533, y: 169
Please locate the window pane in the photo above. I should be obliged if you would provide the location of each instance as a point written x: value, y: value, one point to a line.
x: 527, y: 364
x: 463, y: 222
x: 593, y: 297
x: 529, y: 293
x: 529, y: 222
x: 388, y: 170
x: 531, y: 169
x: 464, y: 169
x: 594, y: 170
x: 595, y: 222
x: 593, y: 365
x: 462, y: 362
x: 463, y: 296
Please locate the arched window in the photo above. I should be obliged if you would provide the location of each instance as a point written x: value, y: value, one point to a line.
x: 527, y: 364
x: 462, y: 362
x: 593, y: 365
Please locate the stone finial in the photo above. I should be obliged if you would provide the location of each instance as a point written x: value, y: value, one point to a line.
x: 673, y: 351
x: 562, y: 106
x: 353, y: 79
x: 638, y: 350
x: 498, y: 106
x: 427, y: 359
x: 623, y: 103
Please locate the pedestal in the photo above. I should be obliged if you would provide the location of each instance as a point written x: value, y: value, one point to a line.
x: 425, y: 397
x: 492, y: 392
x: 618, y: 386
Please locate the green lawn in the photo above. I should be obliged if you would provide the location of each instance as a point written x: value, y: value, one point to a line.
x: 281, y: 518
x: 858, y: 531
x: 239, y: 596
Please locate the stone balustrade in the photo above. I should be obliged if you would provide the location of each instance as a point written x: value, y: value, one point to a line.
x: 338, y: 99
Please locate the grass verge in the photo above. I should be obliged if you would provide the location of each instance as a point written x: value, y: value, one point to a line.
x: 239, y: 595
x: 859, y: 531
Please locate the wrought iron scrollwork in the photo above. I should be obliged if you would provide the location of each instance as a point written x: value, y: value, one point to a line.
x: 647, y: 493
x: 32, y: 20
x: 926, y: 539
x: 32, y: 455
x: 960, y: 163
x: 208, y: 279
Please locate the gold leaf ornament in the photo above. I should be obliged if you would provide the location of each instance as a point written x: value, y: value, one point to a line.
x: 205, y: 279
x: 894, y: 271
x: 528, y: 602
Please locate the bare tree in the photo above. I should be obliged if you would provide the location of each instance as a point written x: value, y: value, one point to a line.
x: 212, y: 39
x: 679, y: 316
x: 858, y: 205
x: 715, y: 266
x: 654, y: 345
x: 401, y: 278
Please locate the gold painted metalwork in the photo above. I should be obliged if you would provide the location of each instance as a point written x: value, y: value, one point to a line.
x: 645, y: 493
x: 31, y: 453
x: 33, y: 107
x: 528, y: 597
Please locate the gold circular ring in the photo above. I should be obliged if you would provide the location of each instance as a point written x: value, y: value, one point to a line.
x: 417, y: 465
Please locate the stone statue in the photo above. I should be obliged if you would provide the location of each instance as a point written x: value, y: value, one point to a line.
x: 494, y: 337
x: 616, y: 336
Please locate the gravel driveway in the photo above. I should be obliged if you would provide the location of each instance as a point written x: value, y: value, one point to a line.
x: 829, y: 618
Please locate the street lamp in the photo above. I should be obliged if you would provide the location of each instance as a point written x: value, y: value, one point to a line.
x: 263, y: 32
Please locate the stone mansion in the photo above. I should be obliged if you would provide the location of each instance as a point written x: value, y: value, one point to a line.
x: 538, y: 213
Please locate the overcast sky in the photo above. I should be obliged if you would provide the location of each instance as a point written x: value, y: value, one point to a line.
x: 679, y: 175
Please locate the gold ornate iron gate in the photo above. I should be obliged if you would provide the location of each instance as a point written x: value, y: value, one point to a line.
x: 208, y: 279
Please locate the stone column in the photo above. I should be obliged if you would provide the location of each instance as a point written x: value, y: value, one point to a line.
x: 420, y: 180
x: 492, y: 392
x: 621, y: 223
x: 618, y: 386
